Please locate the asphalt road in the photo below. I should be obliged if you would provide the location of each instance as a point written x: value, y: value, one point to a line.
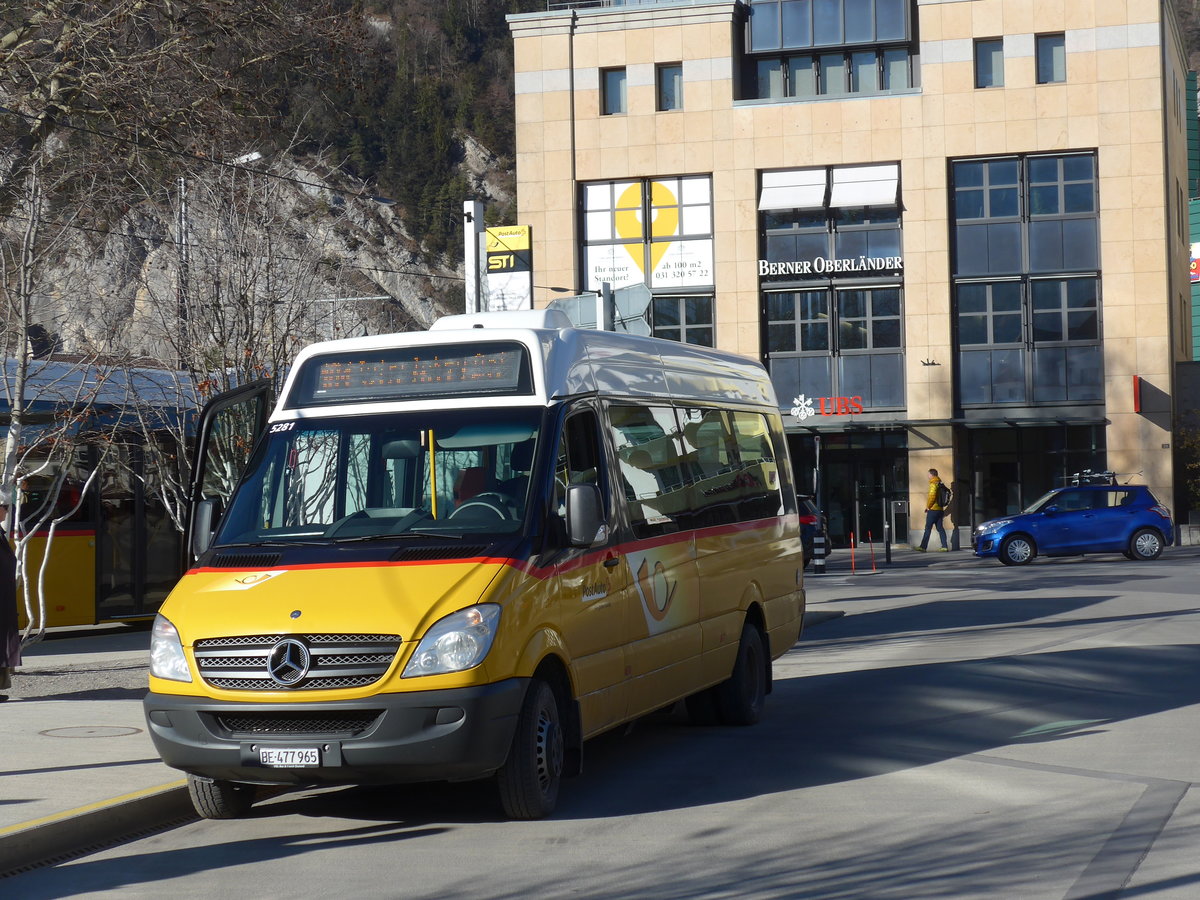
x: 961, y: 732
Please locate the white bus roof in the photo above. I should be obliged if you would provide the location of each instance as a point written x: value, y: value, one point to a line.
x: 566, y: 362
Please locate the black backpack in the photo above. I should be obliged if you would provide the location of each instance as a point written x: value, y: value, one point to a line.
x: 943, y: 495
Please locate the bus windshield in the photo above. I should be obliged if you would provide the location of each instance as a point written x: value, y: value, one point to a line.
x: 447, y: 473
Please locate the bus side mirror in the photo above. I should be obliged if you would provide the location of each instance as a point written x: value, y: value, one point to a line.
x: 585, y: 518
x: 202, y: 526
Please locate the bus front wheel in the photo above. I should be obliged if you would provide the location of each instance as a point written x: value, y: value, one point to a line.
x: 220, y: 799
x: 529, y: 779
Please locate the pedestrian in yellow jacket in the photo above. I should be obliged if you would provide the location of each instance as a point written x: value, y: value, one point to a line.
x: 936, y: 503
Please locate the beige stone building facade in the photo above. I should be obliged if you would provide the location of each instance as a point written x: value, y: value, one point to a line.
x: 955, y: 232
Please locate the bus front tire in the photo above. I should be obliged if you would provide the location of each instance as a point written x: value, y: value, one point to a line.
x: 740, y: 698
x: 529, y: 780
x: 220, y: 799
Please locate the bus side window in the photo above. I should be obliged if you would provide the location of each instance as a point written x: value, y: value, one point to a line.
x: 579, y: 459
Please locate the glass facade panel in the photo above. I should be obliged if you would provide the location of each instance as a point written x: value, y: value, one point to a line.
x: 802, y: 76
x: 827, y: 22
x: 860, y: 21
x: 764, y: 26
x: 864, y: 72
x: 832, y: 74
x: 797, y: 23
x: 770, y: 78
x: 895, y: 71
x: 1043, y: 333
x: 890, y: 20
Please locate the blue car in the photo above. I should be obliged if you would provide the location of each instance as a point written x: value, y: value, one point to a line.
x: 1070, y: 521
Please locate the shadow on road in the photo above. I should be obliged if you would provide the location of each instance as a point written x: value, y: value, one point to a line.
x: 819, y: 730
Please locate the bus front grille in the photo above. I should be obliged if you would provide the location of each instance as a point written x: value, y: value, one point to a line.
x: 295, y: 662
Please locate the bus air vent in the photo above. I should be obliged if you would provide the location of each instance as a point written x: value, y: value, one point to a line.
x: 454, y: 551
x: 244, y: 560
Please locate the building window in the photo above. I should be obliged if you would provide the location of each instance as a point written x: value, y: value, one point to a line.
x: 1027, y: 285
x: 1051, y: 58
x: 670, y: 87
x: 853, y: 47
x: 685, y: 319
x: 989, y: 63
x: 652, y: 231
x: 837, y: 342
x: 612, y: 92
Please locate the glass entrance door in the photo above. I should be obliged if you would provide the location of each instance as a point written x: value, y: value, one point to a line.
x: 860, y: 474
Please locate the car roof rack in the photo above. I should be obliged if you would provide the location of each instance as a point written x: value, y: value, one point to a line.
x: 1087, y: 476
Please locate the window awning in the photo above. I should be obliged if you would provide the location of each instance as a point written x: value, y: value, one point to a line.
x: 866, y: 186
x: 793, y: 189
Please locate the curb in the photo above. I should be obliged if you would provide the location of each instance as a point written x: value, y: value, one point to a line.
x: 77, y: 831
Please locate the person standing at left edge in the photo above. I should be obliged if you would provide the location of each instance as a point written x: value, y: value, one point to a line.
x: 10, y: 634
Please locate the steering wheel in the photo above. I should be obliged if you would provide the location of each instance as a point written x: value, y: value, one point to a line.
x: 491, y: 501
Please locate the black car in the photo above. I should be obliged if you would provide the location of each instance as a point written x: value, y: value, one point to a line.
x: 812, y: 523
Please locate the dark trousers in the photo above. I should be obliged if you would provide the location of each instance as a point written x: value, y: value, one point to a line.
x: 933, y: 519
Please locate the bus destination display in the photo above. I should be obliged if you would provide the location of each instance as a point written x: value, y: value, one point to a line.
x: 415, y: 373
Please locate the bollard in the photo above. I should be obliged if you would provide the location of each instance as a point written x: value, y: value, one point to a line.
x: 819, y: 554
x: 852, y: 553
x: 871, y: 544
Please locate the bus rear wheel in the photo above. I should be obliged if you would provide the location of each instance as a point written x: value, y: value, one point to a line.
x: 740, y: 698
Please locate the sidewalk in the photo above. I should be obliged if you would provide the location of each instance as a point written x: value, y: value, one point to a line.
x: 78, y: 768
x: 77, y: 764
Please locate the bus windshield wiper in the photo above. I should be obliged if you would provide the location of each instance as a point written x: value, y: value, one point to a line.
x: 256, y: 544
x: 396, y: 535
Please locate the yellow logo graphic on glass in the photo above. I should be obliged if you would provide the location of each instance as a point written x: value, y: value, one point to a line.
x: 664, y: 222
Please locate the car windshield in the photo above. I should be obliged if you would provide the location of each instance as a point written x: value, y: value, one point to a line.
x: 446, y: 473
x: 1041, y: 501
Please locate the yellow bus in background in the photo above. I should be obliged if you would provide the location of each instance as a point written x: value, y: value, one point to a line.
x: 460, y: 554
x: 118, y: 554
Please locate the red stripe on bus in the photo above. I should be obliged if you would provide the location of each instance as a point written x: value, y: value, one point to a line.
x: 524, y: 565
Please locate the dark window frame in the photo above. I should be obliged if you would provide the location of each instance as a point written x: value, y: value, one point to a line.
x: 996, y: 78
x: 684, y: 324
x: 665, y: 102
x: 610, y: 104
x: 1044, y: 69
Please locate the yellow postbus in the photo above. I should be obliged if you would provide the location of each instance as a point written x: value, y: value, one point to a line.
x: 459, y: 554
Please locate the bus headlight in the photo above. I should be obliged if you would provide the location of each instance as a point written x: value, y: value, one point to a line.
x: 166, y: 652
x: 459, y: 641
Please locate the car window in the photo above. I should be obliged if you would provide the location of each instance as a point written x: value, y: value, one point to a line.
x: 1073, y: 501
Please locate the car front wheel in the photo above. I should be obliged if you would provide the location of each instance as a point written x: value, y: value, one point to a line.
x: 1145, y: 544
x: 1017, y: 550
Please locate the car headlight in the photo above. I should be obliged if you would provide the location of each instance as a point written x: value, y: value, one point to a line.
x: 459, y: 641
x: 992, y: 526
x: 167, y: 659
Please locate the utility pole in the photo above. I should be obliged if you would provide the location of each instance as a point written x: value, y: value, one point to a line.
x: 472, y: 228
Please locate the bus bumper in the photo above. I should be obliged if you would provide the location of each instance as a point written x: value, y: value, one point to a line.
x: 446, y: 735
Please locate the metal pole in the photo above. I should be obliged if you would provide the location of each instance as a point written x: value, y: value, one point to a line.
x: 604, y: 307
x: 472, y: 227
